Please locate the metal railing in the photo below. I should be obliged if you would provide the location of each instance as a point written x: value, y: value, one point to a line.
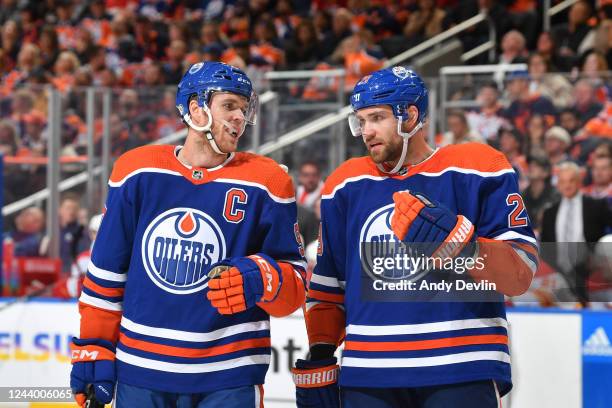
x: 549, y: 11
x: 340, y: 113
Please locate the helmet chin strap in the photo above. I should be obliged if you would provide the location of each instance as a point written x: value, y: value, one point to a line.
x: 206, y: 129
x: 406, y: 136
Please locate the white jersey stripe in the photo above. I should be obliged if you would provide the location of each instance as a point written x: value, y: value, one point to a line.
x: 101, y: 303
x: 191, y: 368
x: 194, y: 336
x: 399, y: 329
x: 532, y: 265
x: 509, y: 235
x: 426, y: 174
x: 104, y: 274
x: 425, y: 361
x: 325, y: 281
x: 142, y: 170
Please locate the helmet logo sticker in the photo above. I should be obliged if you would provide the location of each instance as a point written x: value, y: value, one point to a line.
x: 400, y: 72
x: 196, y: 67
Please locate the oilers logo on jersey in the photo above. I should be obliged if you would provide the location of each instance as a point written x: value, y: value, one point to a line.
x: 377, y: 243
x: 178, y: 248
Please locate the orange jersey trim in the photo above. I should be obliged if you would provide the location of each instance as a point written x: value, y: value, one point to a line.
x: 193, y: 353
x: 111, y: 292
x: 99, y: 323
x: 243, y: 167
x: 426, y: 344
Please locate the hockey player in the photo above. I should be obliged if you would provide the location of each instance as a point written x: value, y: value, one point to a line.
x: 156, y: 331
x: 410, y: 353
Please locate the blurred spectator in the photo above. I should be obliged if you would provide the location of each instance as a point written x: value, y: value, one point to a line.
x: 173, y: 68
x: 28, y: 61
x: 360, y: 56
x: 73, y: 238
x: 84, y: 46
x: 577, y: 218
x: 32, y: 142
x: 310, y: 184
x: 536, y: 128
x: 510, y: 144
x: 556, y: 143
x: 49, y: 47
x: 11, y: 35
x: 9, y: 141
x: 64, y: 70
x: 601, y: 173
x: 487, y: 119
x: 569, y: 36
x: 513, y: 48
x: 552, y: 86
x: 601, y: 125
x: 70, y: 286
x: 547, y: 48
x: 585, y: 101
x: 424, y: 23
x: 540, y: 193
x: 524, y: 104
x: 286, y: 21
x: 97, y: 22
x: 28, y: 233
x: 304, y: 49
x: 341, y: 29
x: 595, y: 69
x: 458, y: 130
x: 210, y: 36
x: 266, y: 45
x: 568, y: 119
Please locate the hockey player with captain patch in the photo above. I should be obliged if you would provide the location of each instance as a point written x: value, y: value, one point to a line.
x: 197, y: 249
x: 459, y: 200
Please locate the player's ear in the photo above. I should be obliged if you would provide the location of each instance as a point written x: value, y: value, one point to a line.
x: 198, y: 115
x: 413, y: 118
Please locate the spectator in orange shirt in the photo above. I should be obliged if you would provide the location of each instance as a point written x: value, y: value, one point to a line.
x: 64, y: 70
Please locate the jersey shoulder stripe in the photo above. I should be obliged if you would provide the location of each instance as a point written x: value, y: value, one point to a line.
x: 159, y: 158
x: 469, y: 158
x: 252, y: 169
x: 351, y: 170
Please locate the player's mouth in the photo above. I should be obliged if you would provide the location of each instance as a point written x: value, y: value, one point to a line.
x: 374, y: 145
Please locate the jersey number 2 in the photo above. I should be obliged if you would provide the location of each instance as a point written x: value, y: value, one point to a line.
x: 514, y: 219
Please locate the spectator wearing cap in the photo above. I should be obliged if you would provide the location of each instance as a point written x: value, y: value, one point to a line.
x: 487, y: 119
x: 586, y: 104
x: 601, y: 175
x: 459, y: 130
x: 556, y: 143
x: 540, y: 193
x: 524, y: 104
x: 550, y: 85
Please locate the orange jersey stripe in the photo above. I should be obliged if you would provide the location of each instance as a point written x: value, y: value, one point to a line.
x: 194, y: 353
x: 111, y: 292
x: 359, y: 166
x: 247, y: 167
x: 326, y: 297
x: 426, y: 344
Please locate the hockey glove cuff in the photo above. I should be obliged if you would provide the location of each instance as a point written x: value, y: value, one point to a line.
x: 93, y: 364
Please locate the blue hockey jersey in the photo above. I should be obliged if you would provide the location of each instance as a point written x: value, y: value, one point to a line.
x: 413, y: 344
x: 165, y: 224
